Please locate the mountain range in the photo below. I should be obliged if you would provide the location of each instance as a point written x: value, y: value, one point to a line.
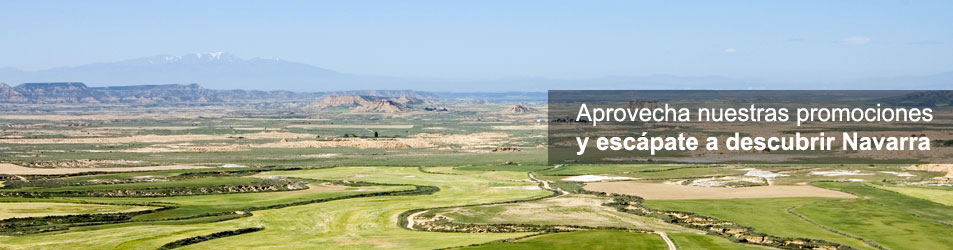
x: 218, y: 70
x: 79, y: 93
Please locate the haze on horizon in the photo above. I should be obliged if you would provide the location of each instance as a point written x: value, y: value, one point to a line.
x: 769, y: 41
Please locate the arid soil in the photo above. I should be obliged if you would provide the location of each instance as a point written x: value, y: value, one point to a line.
x: 948, y: 168
x: 520, y: 127
x: 368, y: 126
x: 423, y: 140
x: 655, y: 191
x: 12, y: 169
x: 102, y: 117
x: 155, y: 138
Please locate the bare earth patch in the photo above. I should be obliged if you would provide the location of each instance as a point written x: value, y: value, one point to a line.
x: 37, y: 209
x: 368, y: 126
x: 656, y: 191
x: 6, y: 168
x: 155, y: 138
x: 422, y: 140
x: 948, y: 168
x: 520, y: 127
x: 103, y: 117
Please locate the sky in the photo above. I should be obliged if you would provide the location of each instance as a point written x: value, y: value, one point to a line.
x: 800, y: 40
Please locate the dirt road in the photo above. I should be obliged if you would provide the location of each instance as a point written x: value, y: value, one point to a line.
x: 410, y: 219
x: 546, y: 185
x: 668, y: 241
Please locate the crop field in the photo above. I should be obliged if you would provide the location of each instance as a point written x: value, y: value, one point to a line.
x: 595, y: 239
x: 223, y: 177
x: 772, y: 216
x: 655, y: 191
x: 34, y: 209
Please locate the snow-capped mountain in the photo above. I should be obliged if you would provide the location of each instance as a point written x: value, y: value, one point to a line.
x: 218, y: 70
x: 211, y: 57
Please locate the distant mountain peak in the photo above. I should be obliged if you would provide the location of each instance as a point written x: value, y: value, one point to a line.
x: 217, y: 69
x: 208, y: 57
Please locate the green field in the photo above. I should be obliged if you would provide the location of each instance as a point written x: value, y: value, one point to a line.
x: 710, y: 242
x: 581, y: 240
x: 882, y: 217
x: 893, y: 220
x: 765, y: 215
x: 580, y: 210
x: 941, y: 196
x: 468, y: 177
x: 363, y: 223
x: 35, y: 209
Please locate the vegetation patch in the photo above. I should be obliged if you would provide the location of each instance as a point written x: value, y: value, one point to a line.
x: 201, y: 238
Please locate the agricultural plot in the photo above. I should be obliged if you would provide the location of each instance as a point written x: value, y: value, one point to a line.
x: 336, y: 179
x: 703, y: 241
x: 36, y: 209
x: 575, y: 209
x: 939, y: 195
x: 764, y: 215
x: 585, y: 239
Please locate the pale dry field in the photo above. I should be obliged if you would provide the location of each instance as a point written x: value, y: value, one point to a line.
x: 154, y: 138
x: 6, y: 168
x: 521, y: 127
x: 366, y: 126
x: 579, y: 210
x: 948, y: 168
x: 111, y: 116
x: 35, y: 209
x: 657, y: 191
x: 422, y: 140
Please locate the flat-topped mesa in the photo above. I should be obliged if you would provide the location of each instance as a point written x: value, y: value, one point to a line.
x: 519, y: 109
x: 346, y: 101
x: 52, y: 86
x: 56, y: 92
x: 368, y: 104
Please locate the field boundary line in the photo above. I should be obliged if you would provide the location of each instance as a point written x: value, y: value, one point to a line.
x: 871, y: 243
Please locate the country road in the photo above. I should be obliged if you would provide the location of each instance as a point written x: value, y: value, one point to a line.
x: 546, y: 185
x: 671, y: 245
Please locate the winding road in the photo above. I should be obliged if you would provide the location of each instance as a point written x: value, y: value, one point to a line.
x: 410, y: 219
x: 546, y: 186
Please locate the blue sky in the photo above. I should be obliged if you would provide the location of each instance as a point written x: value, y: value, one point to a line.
x: 766, y: 40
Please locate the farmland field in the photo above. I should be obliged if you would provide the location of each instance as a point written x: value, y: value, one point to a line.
x: 334, y: 179
x: 594, y: 239
x: 34, y: 209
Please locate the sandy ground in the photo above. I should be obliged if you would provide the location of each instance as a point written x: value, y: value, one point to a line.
x: 520, y: 127
x: 948, y: 168
x: 656, y: 191
x: 147, y: 128
x: 423, y: 140
x: 155, y: 138
x: 6, y: 168
x: 393, y: 126
x: 103, y: 117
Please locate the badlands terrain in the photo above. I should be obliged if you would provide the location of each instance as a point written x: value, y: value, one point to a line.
x: 100, y: 169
